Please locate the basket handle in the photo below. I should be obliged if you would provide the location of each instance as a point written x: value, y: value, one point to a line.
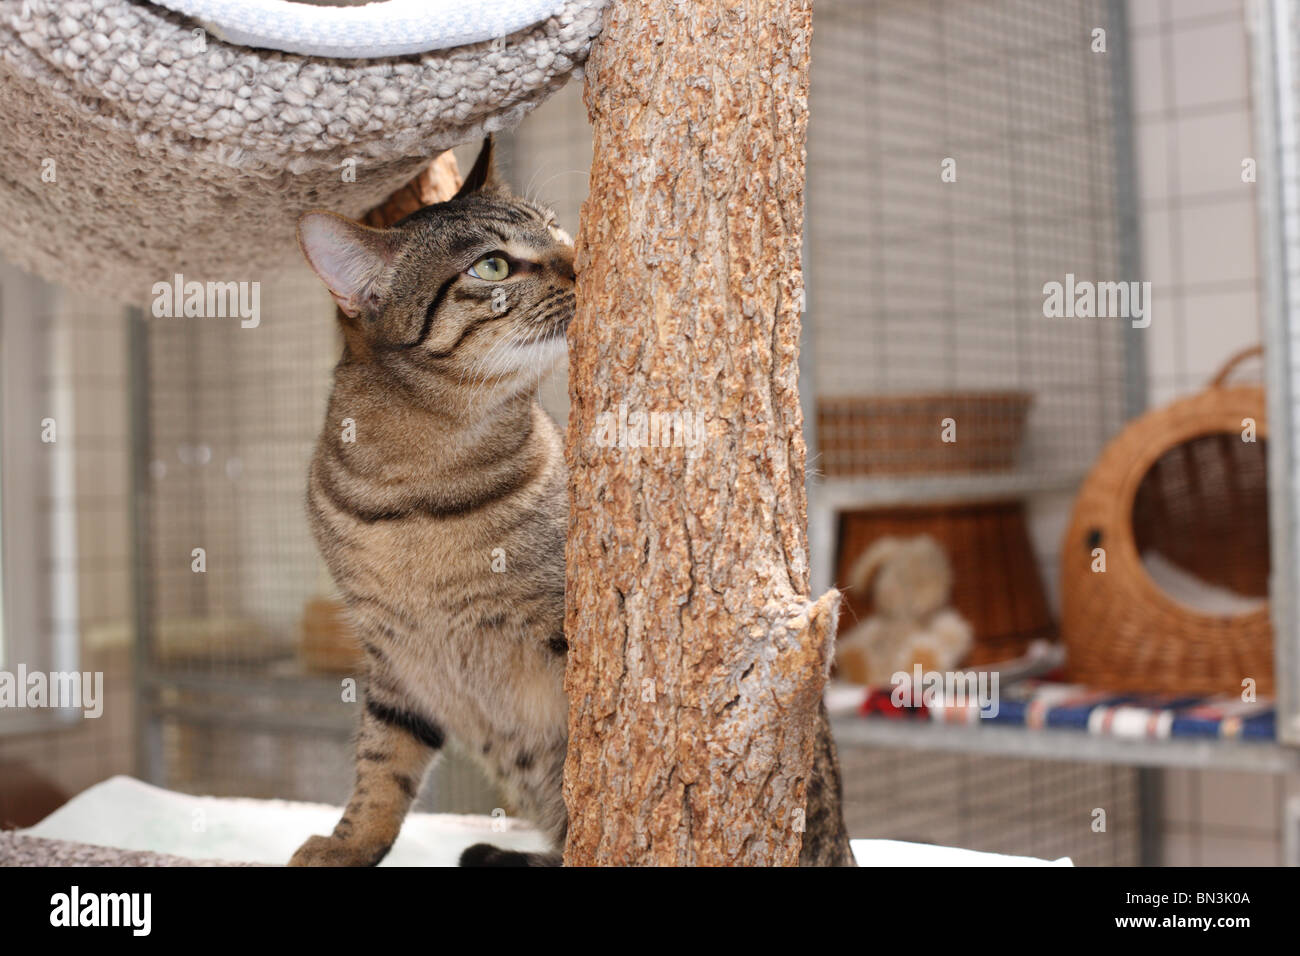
x: 1233, y: 362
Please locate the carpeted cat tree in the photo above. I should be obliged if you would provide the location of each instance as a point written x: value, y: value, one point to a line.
x: 186, y: 136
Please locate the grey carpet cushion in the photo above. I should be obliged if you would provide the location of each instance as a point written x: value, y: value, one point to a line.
x: 136, y: 150
x: 19, y: 850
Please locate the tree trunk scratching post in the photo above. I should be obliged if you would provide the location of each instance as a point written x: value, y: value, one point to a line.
x: 696, y: 658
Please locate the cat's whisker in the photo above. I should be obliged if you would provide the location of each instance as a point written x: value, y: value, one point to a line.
x: 533, y: 197
x: 528, y: 190
x: 496, y: 360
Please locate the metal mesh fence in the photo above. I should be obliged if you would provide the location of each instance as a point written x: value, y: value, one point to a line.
x: 1042, y: 808
x: 961, y: 156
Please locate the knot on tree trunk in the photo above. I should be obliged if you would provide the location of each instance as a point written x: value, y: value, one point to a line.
x: 792, y: 647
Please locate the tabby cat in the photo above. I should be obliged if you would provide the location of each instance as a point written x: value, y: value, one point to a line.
x: 437, y: 495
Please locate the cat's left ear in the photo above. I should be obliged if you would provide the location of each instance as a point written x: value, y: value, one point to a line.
x: 482, y: 176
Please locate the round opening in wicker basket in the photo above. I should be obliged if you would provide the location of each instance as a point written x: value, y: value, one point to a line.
x: 1200, y: 523
x: 1176, y: 508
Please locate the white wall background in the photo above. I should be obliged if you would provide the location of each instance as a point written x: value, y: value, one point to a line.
x: 1194, y: 126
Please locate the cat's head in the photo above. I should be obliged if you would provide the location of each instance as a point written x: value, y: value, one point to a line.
x: 472, y: 293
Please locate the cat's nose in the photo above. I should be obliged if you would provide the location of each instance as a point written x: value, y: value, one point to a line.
x: 564, y: 265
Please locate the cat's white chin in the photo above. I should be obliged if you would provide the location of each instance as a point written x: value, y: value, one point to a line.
x: 541, y: 354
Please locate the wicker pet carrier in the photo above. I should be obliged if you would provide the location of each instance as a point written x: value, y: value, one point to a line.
x: 1178, y: 506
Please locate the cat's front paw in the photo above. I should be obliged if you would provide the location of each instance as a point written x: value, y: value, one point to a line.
x: 332, y: 851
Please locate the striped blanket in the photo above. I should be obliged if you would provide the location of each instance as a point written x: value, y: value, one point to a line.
x: 1047, y: 704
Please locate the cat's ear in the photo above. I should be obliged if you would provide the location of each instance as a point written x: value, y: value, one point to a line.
x: 348, y: 257
x: 482, y: 176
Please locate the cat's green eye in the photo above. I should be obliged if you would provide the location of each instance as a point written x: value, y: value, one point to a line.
x: 491, y: 268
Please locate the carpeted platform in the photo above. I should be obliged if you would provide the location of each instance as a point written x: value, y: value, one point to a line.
x: 18, y: 849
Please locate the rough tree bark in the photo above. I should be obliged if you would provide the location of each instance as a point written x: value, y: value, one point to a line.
x: 696, y: 659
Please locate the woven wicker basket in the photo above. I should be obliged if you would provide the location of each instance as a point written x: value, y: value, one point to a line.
x: 1182, y: 482
x: 901, y: 434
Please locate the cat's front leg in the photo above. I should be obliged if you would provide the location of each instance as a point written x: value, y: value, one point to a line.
x: 394, y: 749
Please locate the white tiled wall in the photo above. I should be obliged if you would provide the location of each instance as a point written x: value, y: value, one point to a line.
x: 1193, y: 128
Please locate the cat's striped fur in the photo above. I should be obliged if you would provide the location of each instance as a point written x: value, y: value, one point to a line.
x: 437, y: 495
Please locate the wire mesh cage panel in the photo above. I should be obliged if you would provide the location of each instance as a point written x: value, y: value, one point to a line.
x: 232, y: 416
x: 962, y: 155
x: 1042, y: 808
x: 226, y: 417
